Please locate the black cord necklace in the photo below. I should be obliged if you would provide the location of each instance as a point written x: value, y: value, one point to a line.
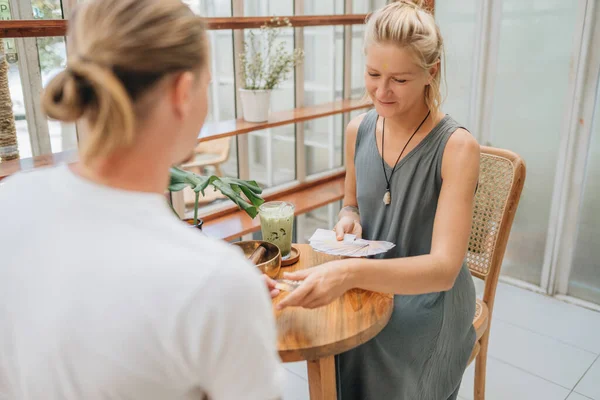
x: 387, y: 197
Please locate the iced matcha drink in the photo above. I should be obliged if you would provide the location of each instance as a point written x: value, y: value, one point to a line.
x: 276, y: 224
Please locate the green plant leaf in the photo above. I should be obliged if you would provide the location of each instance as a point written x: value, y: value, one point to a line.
x: 236, y: 188
x: 178, y: 175
x: 252, y: 185
x: 176, y: 187
x: 236, y: 198
x: 230, y: 187
x: 202, y: 183
x: 254, y: 199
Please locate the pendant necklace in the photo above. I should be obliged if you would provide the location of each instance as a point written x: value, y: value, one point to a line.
x: 387, y: 197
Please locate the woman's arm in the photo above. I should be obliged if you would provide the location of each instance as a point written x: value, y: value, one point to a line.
x: 438, y: 270
x: 433, y: 272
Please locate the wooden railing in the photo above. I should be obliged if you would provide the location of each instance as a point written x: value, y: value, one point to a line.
x: 210, y: 131
x: 42, y: 28
x: 215, y: 130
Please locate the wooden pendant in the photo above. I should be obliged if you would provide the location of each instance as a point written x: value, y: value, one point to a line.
x: 387, y: 198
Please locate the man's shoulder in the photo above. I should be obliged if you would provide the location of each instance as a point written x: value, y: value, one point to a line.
x: 22, y: 179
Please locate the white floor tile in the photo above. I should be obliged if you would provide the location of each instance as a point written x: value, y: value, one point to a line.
x: 577, y: 396
x: 296, y: 388
x: 538, y: 354
x: 508, y: 382
x: 298, y: 368
x: 590, y: 384
x: 539, y: 347
x: 565, y: 322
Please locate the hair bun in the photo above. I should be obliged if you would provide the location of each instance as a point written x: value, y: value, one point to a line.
x: 63, y: 98
x: 414, y: 3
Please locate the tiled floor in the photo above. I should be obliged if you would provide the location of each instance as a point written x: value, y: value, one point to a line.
x: 540, y: 348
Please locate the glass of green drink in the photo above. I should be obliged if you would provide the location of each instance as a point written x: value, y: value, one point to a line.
x: 276, y: 224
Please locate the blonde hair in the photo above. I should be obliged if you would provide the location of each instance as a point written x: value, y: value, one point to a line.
x: 408, y: 24
x: 118, y: 51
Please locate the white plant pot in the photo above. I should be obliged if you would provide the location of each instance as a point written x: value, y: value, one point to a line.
x: 255, y: 104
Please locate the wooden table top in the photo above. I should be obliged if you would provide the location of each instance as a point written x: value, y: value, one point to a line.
x: 347, y: 322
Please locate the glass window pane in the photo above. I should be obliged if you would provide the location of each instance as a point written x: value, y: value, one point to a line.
x: 323, y: 144
x: 529, y: 104
x: 357, y: 83
x: 367, y: 6
x: 15, y: 88
x: 457, y: 22
x: 584, y: 282
x: 319, y: 7
x: 46, y: 9
x: 53, y: 59
x: 258, y: 8
x: 324, y: 218
x: 15, y: 91
x: 272, y: 156
x: 323, y: 84
x: 222, y: 87
x: 217, y: 157
x: 272, y: 152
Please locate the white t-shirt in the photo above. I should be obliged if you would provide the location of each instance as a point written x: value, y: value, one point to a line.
x: 104, y: 294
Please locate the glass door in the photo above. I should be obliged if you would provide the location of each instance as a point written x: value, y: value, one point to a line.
x: 584, y: 279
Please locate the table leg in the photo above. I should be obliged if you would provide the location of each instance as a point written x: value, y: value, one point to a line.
x: 321, y: 379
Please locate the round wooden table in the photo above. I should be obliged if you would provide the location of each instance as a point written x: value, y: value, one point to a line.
x: 317, y: 335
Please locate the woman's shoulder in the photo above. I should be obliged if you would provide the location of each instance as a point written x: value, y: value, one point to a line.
x: 460, y: 138
x: 357, y: 121
x: 457, y: 136
x: 462, y: 152
x: 353, y: 128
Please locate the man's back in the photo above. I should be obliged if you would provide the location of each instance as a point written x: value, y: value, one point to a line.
x: 103, y: 294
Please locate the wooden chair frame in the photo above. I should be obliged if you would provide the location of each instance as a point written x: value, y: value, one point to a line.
x: 501, y: 180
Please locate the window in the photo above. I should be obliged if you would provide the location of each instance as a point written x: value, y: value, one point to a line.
x: 324, y: 218
x: 458, y: 23
x: 323, y: 83
x: 529, y: 104
x: 218, y: 157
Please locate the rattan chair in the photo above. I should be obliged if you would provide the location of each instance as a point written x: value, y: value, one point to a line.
x: 501, y: 179
x: 212, y: 153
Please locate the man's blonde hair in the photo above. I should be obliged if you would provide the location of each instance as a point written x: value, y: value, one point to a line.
x: 118, y: 50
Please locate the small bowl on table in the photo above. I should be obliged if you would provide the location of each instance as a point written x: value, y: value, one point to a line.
x: 270, y: 263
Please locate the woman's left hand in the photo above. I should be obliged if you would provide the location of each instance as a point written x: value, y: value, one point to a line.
x: 320, y: 285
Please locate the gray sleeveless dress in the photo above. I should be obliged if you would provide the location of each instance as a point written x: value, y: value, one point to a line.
x: 423, y: 351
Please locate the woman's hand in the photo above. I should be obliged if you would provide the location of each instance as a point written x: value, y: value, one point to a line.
x: 320, y: 285
x: 271, y: 286
x: 347, y: 224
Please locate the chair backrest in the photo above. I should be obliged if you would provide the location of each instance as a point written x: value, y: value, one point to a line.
x: 218, y: 147
x: 501, y: 179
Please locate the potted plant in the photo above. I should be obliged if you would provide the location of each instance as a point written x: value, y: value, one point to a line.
x: 264, y: 65
x: 231, y: 187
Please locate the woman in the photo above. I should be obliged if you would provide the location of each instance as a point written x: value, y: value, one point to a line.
x: 411, y: 175
x: 103, y: 292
